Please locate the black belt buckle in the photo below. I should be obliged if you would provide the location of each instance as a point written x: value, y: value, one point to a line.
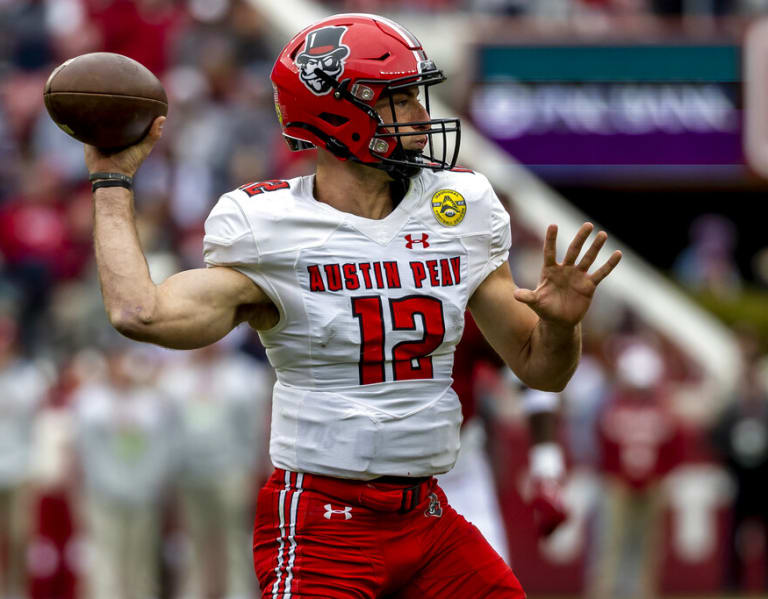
x: 411, y: 498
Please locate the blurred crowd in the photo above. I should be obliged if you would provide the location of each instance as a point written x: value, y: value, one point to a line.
x: 127, y: 471
x: 121, y: 463
x: 557, y: 8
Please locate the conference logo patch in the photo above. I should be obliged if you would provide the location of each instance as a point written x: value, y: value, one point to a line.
x: 449, y: 207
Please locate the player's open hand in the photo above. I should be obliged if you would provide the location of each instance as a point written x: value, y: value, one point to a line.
x: 565, y: 290
x: 126, y: 161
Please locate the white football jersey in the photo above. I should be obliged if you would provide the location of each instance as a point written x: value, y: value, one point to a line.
x: 370, y: 314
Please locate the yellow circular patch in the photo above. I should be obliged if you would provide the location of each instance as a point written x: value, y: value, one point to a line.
x: 449, y: 207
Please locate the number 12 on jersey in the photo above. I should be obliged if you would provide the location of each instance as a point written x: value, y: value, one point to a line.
x: 410, y: 359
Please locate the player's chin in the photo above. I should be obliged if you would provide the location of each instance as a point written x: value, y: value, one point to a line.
x: 413, y: 148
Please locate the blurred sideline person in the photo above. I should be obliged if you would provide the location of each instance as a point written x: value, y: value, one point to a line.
x: 546, y: 462
x: 24, y: 386
x: 125, y: 437
x: 469, y: 485
x: 357, y: 278
x: 740, y: 436
x: 221, y: 397
x: 639, y: 443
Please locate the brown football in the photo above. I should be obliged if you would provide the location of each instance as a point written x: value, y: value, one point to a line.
x: 104, y: 99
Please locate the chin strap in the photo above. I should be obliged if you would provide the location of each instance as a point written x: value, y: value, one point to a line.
x: 397, y: 170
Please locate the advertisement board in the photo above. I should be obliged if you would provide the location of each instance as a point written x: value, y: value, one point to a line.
x: 621, y: 110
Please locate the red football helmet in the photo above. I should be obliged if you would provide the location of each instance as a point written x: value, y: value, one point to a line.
x: 328, y: 79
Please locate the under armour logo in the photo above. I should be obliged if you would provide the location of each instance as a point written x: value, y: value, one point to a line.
x: 434, y: 508
x: 410, y: 241
x: 329, y: 511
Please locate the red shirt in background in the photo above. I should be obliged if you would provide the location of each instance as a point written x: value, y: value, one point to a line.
x: 640, y: 441
x: 144, y: 31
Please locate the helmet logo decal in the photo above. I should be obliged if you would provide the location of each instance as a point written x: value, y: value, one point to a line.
x: 323, y: 51
x: 448, y: 207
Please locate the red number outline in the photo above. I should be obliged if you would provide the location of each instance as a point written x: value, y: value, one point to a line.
x: 259, y: 187
x: 369, y: 313
x: 404, y: 311
x: 370, y: 316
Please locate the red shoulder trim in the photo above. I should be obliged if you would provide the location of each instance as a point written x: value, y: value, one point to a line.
x: 259, y: 187
x: 455, y: 169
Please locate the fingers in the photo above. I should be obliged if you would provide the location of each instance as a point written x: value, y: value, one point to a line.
x: 155, y: 132
x: 157, y: 127
x: 574, y: 249
x: 550, y: 243
x: 593, y: 251
x: 606, y: 268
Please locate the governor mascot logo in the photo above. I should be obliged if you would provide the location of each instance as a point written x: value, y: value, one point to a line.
x: 323, y: 52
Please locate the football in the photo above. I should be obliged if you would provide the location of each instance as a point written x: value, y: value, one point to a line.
x: 103, y: 99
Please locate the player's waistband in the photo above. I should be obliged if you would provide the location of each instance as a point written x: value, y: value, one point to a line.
x: 383, y: 494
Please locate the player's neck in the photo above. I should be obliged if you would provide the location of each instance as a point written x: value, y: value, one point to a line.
x: 352, y: 187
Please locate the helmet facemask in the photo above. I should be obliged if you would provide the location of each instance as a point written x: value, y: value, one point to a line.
x: 439, y: 155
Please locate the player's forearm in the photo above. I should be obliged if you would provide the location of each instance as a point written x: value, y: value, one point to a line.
x: 551, y: 356
x: 129, y: 293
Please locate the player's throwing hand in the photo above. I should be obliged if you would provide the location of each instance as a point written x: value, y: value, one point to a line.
x: 128, y: 160
x: 565, y: 290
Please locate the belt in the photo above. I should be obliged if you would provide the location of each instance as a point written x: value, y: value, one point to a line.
x: 401, y: 480
x: 412, y: 489
x: 383, y: 494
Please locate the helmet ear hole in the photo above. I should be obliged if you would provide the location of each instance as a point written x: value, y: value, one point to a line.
x: 355, y: 137
x: 333, y: 119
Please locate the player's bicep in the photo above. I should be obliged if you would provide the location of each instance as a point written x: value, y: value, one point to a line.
x: 505, y: 323
x: 197, y: 307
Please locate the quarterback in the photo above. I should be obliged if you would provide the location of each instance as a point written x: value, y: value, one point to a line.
x: 357, y: 278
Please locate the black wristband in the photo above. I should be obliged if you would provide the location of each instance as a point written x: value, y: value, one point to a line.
x: 110, y: 183
x: 110, y: 177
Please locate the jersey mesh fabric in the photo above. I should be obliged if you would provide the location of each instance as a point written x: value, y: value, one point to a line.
x: 370, y: 314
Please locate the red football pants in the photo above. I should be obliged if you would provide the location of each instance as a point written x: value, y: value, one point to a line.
x: 318, y: 536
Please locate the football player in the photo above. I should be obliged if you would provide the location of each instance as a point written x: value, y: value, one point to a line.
x: 357, y: 278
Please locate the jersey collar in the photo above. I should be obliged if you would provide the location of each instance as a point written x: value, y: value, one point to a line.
x: 383, y: 230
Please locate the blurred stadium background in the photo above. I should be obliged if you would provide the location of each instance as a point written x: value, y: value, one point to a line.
x: 647, y: 117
